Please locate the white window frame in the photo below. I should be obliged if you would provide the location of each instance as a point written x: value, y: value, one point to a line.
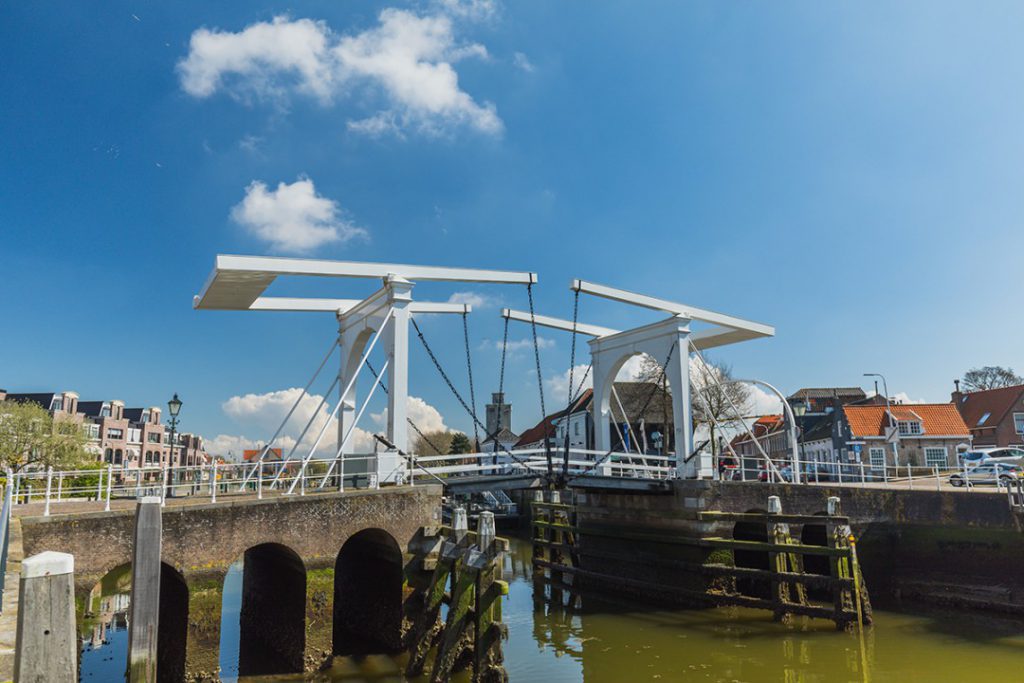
x: 876, y: 455
x: 1018, y: 423
x: 906, y: 427
x: 945, y: 456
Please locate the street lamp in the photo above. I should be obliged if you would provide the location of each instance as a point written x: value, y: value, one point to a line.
x: 173, y: 407
x: 888, y: 409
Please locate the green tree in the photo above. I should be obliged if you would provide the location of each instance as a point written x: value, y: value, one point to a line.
x: 433, y: 443
x: 460, y: 444
x: 29, y: 435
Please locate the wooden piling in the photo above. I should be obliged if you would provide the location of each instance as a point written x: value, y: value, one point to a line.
x: 145, y: 603
x: 46, y: 646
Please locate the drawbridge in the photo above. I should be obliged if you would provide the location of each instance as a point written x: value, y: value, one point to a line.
x: 385, y: 322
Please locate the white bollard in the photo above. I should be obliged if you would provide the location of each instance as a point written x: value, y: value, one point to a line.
x: 774, y: 505
x: 110, y: 483
x: 485, y: 531
x: 49, y: 486
x: 832, y: 506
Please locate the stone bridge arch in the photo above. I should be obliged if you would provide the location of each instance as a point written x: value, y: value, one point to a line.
x: 368, y: 579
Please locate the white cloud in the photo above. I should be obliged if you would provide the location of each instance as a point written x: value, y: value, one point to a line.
x: 263, y: 413
x: 899, y: 397
x: 426, y: 417
x: 523, y: 62
x: 516, y: 346
x: 228, y: 446
x: 293, y: 217
x: 407, y: 58
x: 473, y: 10
x: 474, y: 299
x: 263, y: 58
x: 558, y: 385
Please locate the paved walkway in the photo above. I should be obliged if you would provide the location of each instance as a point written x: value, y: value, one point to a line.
x: 9, y: 616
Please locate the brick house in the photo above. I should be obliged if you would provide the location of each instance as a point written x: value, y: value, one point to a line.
x: 126, y: 438
x: 994, y: 416
x: 927, y: 434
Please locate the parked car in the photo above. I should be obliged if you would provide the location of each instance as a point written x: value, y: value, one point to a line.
x: 988, y: 473
x: 1006, y: 454
x: 786, y: 471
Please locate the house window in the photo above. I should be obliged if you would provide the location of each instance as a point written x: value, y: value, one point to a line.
x: 108, y: 455
x: 105, y: 411
x: 576, y: 428
x: 118, y: 456
x: 93, y: 431
x: 154, y: 437
x: 1018, y: 423
x: 984, y: 417
x: 57, y: 404
x: 877, y: 458
x: 935, y: 457
x: 909, y: 427
x: 115, y: 433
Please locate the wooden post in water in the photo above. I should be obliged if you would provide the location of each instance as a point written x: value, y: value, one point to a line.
x: 46, y: 645
x: 487, y: 631
x: 145, y: 603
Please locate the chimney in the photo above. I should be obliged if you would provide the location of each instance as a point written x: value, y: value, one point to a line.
x: 957, y: 395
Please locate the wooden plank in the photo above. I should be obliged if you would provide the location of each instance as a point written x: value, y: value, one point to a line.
x: 716, y: 516
x: 773, y: 547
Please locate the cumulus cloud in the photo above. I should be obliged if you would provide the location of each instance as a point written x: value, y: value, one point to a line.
x: 557, y: 386
x: 406, y: 59
x: 474, y: 299
x: 426, y: 417
x: 229, y: 446
x: 262, y: 413
x: 293, y: 217
x: 900, y: 397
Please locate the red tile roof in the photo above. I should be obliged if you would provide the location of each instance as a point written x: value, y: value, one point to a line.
x: 996, y: 402
x: 940, y: 419
x: 762, y: 427
x: 546, y: 427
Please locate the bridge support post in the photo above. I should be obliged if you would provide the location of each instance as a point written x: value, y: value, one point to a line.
x: 145, y: 603
x: 46, y: 646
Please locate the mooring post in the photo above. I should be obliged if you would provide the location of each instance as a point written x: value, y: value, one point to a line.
x: 143, y: 624
x: 487, y: 610
x: 46, y: 645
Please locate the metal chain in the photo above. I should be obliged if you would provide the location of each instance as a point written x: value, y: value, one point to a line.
x: 408, y: 419
x: 650, y: 397
x: 469, y: 367
x: 540, y: 379
x: 444, y: 376
x: 504, y: 350
x: 572, y: 369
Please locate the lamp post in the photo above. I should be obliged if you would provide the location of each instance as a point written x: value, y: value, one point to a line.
x: 173, y: 407
x: 892, y: 422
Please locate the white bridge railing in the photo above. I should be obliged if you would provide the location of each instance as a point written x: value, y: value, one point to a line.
x: 109, y: 484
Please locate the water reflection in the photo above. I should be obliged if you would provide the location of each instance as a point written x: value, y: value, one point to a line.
x: 104, y: 628
x: 580, y: 639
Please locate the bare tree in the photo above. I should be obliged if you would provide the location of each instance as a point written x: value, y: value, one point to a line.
x: 990, y: 377
x: 713, y: 398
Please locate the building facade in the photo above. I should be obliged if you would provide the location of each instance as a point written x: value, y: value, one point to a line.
x: 994, y: 416
x: 126, y: 438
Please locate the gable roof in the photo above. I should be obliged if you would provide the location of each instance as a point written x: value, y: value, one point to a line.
x: 762, y: 427
x: 828, y: 392
x: 996, y: 402
x: 546, y: 427
x: 42, y: 399
x: 940, y: 419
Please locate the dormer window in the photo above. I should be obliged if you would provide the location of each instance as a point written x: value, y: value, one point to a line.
x: 909, y: 427
x: 984, y: 418
x: 57, y: 404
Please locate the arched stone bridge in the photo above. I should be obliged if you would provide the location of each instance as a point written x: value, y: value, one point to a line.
x: 321, y: 571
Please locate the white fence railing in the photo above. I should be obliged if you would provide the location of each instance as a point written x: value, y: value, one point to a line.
x: 110, y: 483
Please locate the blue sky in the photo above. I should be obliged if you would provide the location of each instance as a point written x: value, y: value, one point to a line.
x: 850, y: 174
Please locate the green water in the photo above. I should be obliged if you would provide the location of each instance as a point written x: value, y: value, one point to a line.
x: 608, y: 642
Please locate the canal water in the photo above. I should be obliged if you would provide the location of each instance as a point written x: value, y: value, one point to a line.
x: 610, y: 642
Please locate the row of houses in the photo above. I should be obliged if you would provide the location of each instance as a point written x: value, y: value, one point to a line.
x: 127, y: 438
x: 842, y: 425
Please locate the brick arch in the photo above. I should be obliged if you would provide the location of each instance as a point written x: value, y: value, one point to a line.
x: 368, y: 578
